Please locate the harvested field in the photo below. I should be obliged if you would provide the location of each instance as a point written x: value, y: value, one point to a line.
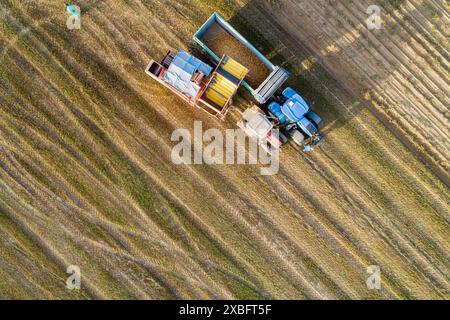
x: 401, y: 70
x: 221, y: 42
x: 86, y: 176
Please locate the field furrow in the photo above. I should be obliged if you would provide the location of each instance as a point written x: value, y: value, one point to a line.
x: 87, y: 178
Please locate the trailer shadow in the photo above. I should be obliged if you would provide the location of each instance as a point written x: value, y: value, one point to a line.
x: 326, y: 96
x: 339, y: 62
x: 376, y: 68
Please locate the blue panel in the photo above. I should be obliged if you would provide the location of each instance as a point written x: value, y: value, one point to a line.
x: 205, y: 69
x: 179, y: 62
x: 289, y: 92
x: 275, y: 109
x: 183, y: 55
x: 190, y: 68
x: 191, y: 64
x: 181, y: 70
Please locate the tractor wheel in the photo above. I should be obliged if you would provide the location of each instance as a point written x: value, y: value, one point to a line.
x: 315, y: 119
x: 296, y: 136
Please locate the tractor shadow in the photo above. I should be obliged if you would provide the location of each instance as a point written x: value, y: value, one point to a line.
x: 270, y: 26
x: 326, y: 96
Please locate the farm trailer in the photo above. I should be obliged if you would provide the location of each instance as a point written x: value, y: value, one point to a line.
x: 217, y: 37
x: 284, y: 110
x: 209, y: 90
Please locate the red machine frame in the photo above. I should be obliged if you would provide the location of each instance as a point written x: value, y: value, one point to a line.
x: 197, y: 101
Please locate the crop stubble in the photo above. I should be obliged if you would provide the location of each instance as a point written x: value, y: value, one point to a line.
x: 86, y: 177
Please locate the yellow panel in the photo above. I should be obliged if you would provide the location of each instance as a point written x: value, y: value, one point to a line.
x: 234, y: 68
x: 222, y: 88
x: 226, y: 82
x: 225, y: 85
x: 220, y: 102
x: 215, y: 97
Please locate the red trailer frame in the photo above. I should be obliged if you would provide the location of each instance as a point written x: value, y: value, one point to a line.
x: 156, y: 70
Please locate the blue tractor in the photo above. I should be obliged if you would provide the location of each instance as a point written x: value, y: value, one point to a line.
x: 283, y: 115
x: 292, y: 116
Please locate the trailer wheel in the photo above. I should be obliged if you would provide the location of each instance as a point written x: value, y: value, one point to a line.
x: 282, y: 137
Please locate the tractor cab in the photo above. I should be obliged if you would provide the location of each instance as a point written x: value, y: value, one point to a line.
x: 256, y: 125
x: 290, y: 108
x: 294, y: 106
